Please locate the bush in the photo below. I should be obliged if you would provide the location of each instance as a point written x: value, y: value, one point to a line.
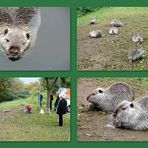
x: 85, y: 10
x: 21, y: 94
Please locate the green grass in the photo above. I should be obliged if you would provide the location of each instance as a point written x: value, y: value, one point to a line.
x: 108, y: 13
x: 19, y: 126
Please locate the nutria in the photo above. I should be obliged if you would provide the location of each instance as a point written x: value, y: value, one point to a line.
x: 93, y: 21
x: 116, y: 23
x: 113, y: 30
x: 137, y: 38
x: 95, y: 33
x: 135, y: 54
x: 106, y: 99
x: 132, y: 115
x: 18, y: 30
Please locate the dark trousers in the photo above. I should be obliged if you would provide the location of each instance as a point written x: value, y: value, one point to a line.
x: 60, y: 120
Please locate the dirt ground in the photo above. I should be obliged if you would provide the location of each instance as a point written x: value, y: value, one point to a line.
x: 92, y: 125
x: 110, y: 52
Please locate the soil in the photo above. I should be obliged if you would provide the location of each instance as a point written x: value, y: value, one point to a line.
x: 110, y: 52
x: 95, y: 125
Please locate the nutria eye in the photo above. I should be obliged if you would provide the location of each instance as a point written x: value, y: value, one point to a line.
x: 27, y: 35
x: 23, y: 43
x: 123, y: 108
x: 7, y: 40
x: 100, y: 91
x: 6, y: 31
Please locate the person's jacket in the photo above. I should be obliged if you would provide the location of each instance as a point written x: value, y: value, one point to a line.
x: 62, y: 106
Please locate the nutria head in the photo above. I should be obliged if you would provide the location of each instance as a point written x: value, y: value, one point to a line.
x: 106, y: 99
x: 123, y: 114
x: 14, y: 42
x: 132, y: 115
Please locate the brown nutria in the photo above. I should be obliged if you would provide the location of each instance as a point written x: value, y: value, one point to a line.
x: 106, y: 99
x: 132, y: 115
x: 18, y: 30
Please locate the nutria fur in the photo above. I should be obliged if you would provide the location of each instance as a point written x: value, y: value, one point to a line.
x: 18, y: 30
x: 137, y: 38
x: 95, y: 34
x: 116, y: 23
x: 93, y: 21
x: 132, y: 115
x: 135, y: 54
x: 106, y: 99
x: 113, y: 30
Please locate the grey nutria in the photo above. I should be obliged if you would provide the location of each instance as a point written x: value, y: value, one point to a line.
x: 132, y: 115
x: 18, y: 30
x: 135, y: 54
x: 107, y: 99
x: 137, y: 38
x: 113, y: 30
x: 116, y: 23
x: 95, y: 33
x: 93, y: 21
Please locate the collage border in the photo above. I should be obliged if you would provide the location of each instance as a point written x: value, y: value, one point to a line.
x: 73, y: 73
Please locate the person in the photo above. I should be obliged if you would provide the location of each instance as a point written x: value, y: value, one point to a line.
x: 51, y: 99
x: 28, y: 109
x: 61, y: 109
x: 40, y: 100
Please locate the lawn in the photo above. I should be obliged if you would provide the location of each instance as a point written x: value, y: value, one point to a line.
x: 17, y: 125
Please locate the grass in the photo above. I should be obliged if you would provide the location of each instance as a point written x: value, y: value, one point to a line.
x: 108, y: 13
x: 110, y: 52
x: 19, y: 126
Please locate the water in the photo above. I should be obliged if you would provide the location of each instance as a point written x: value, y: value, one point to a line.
x: 52, y: 48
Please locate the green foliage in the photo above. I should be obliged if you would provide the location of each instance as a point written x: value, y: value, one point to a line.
x: 11, y: 89
x: 21, y: 94
x: 54, y: 83
x: 85, y: 10
x: 5, y: 89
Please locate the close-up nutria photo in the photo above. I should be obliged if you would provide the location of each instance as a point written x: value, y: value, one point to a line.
x: 112, y: 109
x: 123, y: 29
x: 16, y: 31
x: 31, y: 38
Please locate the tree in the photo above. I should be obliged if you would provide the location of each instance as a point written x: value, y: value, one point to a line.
x: 5, y: 89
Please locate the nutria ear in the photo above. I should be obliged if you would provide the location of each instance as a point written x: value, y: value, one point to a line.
x: 132, y: 105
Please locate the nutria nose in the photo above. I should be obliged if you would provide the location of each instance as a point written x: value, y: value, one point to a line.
x: 114, y: 114
x: 116, y: 124
x: 14, y: 51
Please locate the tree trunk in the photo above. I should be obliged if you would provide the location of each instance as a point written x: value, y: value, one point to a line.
x: 48, y: 101
x: 49, y: 90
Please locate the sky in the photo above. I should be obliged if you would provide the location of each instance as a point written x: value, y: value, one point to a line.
x: 29, y: 79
